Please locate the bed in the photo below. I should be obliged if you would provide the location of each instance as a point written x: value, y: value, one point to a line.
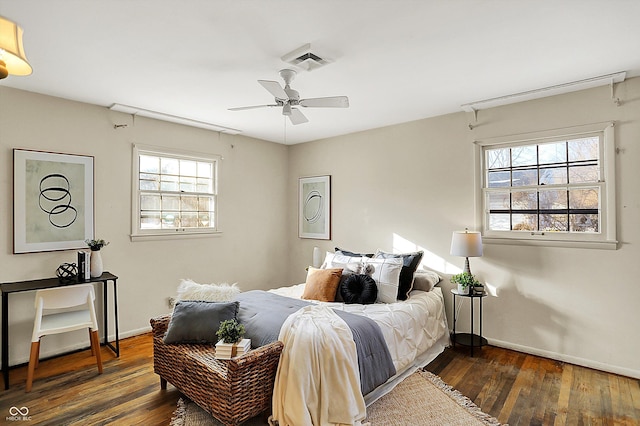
x: 412, y: 332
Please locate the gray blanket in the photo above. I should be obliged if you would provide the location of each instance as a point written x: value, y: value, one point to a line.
x: 263, y: 313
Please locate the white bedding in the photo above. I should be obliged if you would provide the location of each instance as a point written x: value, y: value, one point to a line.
x: 415, y: 330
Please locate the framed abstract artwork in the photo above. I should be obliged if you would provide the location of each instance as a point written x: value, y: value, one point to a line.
x: 52, y: 201
x: 314, y: 209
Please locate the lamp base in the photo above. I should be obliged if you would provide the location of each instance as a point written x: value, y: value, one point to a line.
x: 466, y: 266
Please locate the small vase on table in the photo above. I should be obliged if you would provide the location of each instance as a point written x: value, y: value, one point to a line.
x: 96, y: 264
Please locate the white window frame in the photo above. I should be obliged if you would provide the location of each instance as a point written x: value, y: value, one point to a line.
x: 605, y: 239
x: 137, y: 233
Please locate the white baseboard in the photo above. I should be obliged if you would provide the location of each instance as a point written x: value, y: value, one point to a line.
x: 628, y: 372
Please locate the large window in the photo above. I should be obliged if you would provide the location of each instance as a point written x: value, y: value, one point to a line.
x: 552, y: 189
x: 175, y: 192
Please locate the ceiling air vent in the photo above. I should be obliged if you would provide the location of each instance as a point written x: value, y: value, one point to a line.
x: 304, y: 58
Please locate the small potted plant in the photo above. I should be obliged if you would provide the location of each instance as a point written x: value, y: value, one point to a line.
x: 231, y: 342
x: 96, y: 267
x: 96, y: 245
x: 465, y: 281
x: 230, y: 331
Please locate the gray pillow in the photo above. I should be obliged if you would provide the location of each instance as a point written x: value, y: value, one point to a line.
x: 198, y: 321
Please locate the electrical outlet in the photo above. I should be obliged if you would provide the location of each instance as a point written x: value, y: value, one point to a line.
x: 171, y: 301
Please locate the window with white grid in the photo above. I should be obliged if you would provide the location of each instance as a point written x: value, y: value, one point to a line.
x: 175, y: 192
x: 557, y: 189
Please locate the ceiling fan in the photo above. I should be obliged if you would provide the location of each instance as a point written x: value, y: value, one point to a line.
x: 289, y: 99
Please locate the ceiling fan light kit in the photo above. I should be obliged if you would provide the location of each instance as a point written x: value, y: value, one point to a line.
x: 289, y: 99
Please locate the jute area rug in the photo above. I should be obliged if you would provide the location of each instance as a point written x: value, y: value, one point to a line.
x: 421, y: 399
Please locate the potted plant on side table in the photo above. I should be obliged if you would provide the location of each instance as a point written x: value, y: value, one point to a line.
x: 467, y: 283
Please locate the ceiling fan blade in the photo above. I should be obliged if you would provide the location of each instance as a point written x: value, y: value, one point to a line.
x: 328, y: 102
x: 274, y: 88
x: 251, y: 107
x: 297, y: 117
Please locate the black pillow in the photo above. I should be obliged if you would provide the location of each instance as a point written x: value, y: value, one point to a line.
x: 410, y: 262
x: 351, y: 253
x: 359, y: 288
x: 198, y: 322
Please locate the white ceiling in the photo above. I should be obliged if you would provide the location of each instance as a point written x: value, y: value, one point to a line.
x: 397, y: 60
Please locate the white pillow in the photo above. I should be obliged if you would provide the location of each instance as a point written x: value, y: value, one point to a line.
x: 387, y: 276
x: 190, y: 290
x: 335, y: 260
x: 425, y: 280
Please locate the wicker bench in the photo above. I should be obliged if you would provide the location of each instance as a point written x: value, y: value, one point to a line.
x: 231, y: 390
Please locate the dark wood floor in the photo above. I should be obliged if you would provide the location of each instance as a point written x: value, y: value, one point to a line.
x: 516, y: 388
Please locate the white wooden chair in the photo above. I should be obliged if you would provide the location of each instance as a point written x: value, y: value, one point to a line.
x: 79, y: 312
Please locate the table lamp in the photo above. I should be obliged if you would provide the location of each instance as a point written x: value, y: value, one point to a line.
x: 466, y: 244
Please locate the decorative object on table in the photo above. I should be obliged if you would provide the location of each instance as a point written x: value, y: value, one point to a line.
x: 12, y: 57
x: 67, y: 272
x: 231, y: 342
x: 314, y: 208
x: 466, y: 244
x: 466, y: 282
x: 478, y: 288
x: 52, y: 201
x: 96, y: 258
x: 317, y: 257
x: 84, y: 272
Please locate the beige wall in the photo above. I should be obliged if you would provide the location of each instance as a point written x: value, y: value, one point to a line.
x: 251, y: 250
x: 411, y: 185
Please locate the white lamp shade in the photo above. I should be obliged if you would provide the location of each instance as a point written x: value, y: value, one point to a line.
x: 466, y: 244
x: 11, y: 49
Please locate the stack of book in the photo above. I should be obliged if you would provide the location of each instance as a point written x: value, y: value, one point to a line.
x: 230, y: 350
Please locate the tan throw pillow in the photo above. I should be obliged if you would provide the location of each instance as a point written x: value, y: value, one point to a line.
x: 322, y: 284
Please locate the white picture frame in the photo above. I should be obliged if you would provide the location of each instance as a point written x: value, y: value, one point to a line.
x: 314, y: 207
x: 53, y: 201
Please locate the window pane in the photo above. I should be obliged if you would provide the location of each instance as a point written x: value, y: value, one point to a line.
x: 553, y: 176
x: 169, y: 166
x: 189, y: 220
x: 554, y: 222
x: 149, y: 164
x: 205, y: 204
x: 584, y: 149
x: 524, y: 200
x: 584, y: 223
x: 498, y: 158
x: 171, y: 202
x: 582, y: 174
x: 525, y: 222
x: 204, y: 185
x: 189, y: 203
x: 149, y: 182
x: 188, y: 168
x: 523, y: 156
x: 149, y: 220
x: 205, y: 170
x: 499, y: 201
x: 553, y: 199
x: 169, y: 183
x: 583, y: 198
x: 525, y: 177
x: 204, y: 219
x: 499, y: 179
x: 553, y: 153
x: 499, y: 222
x: 150, y: 202
x: 188, y: 184
x: 169, y: 220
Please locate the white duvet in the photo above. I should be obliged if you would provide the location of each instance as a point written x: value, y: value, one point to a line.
x: 410, y: 328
